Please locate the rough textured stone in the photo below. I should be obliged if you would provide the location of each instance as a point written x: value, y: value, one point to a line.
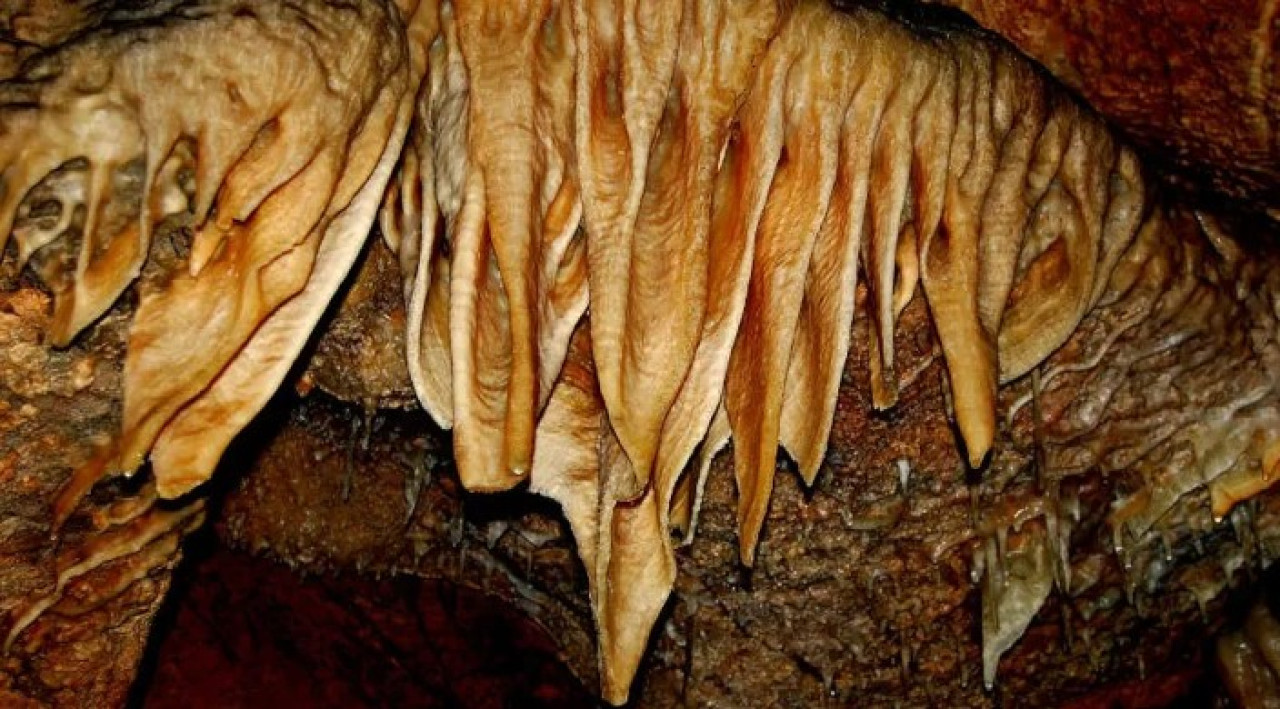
x: 1191, y: 82
x: 54, y: 406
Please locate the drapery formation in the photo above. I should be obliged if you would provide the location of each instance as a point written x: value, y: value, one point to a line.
x: 707, y: 177
x: 278, y: 156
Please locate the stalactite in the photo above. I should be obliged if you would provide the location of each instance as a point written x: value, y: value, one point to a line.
x: 707, y: 178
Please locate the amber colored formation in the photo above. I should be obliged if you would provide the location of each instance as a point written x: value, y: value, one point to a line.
x: 706, y: 178
x: 726, y: 277
x: 283, y: 140
x: 1248, y: 659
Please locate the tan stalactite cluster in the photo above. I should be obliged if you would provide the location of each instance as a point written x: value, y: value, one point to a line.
x: 273, y: 127
x: 732, y: 167
x: 706, y: 177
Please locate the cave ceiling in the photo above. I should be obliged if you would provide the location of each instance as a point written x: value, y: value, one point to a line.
x: 1011, y: 325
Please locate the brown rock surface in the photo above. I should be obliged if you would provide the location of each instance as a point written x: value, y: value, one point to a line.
x: 360, y: 355
x: 54, y: 407
x: 1192, y: 82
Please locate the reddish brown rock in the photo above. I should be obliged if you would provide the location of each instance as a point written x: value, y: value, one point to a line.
x: 1192, y: 82
x: 54, y: 407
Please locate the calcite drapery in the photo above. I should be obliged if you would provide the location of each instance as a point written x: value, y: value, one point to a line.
x: 732, y: 166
